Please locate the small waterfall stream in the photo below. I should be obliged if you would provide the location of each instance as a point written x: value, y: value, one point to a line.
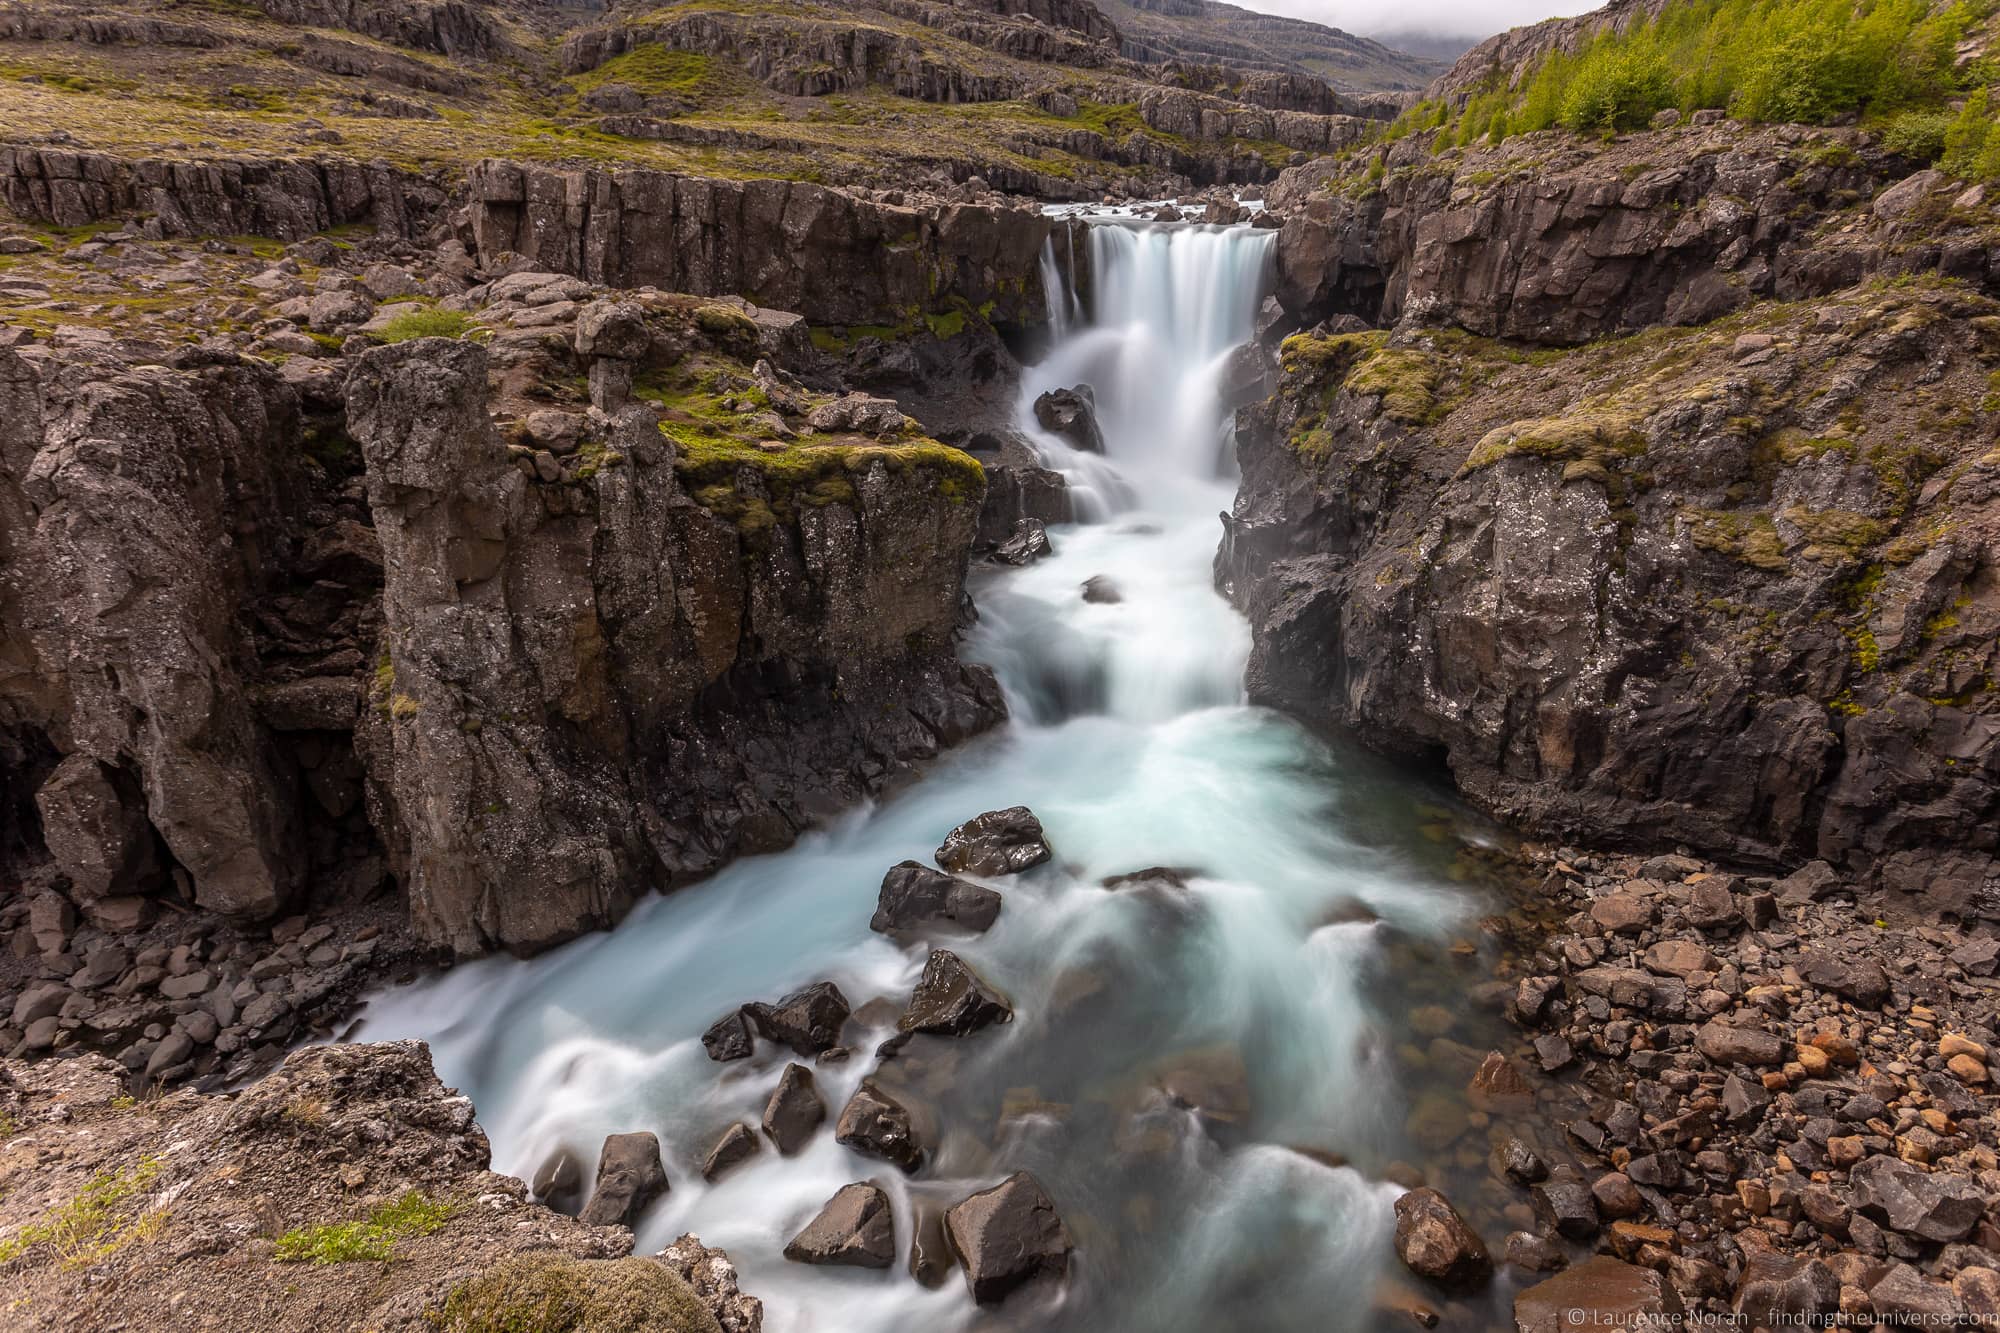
x: 1267, y: 991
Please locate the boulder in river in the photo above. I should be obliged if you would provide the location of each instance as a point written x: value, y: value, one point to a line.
x: 999, y: 842
x: 877, y: 1125
x: 1007, y: 1236
x: 856, y: 1229
x: 729, y: 1038
x: 1599, y: 1293
x: 1099, y: 590
x: 794, y: 1110
x: 914, y: 895
x: 559, y: 1181
x: 808, y: 1020
x: 1071, y: 415
x: 1027, y: 543
x: 951, y: 1000
x: 737, y: 1145
x: 629, y: 1177
x: 1433, y: 1241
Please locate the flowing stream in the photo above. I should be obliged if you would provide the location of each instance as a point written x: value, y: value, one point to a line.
x: 1174, y: 1049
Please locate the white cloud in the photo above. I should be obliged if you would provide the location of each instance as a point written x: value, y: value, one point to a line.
x: 1476, y: 18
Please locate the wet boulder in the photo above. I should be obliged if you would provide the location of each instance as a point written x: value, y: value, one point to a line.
x: 1071, y: 416
x: 951, y: 1000
x: 877, y: 1125
x: 1007, y: 1236
x: 856, y: 1229
x: 737, y: 1145
x: 915, y: 895
x: 1599, y: 1293
x: 999, y: 842
x: 1565, y: 1204
x: 1027, y: 543
x: 808, y: 1020
x: 794, y: 1110
x: 558, y: 1182
x: 729, y: 1038
x: 1433, y: 1241
x: 629, y: 1177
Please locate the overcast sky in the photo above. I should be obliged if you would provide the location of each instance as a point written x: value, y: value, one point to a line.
x: 1478, y: 18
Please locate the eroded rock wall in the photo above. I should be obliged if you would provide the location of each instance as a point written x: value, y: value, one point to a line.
x: 1733, y: 587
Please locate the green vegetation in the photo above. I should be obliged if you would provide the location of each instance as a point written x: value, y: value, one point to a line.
x: 104, y: 1216
x: 661, y: 71
x: 1762, y: 60
x: 1593, y: 432
x: 1751, y: 538
x: 426, y: 324
x: 371, y: 1240
x: 550, y: 1294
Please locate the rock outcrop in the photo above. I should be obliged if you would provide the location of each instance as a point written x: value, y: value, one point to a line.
x: 1728, y: 587
x: 561, y: 657
x: 834, y: 257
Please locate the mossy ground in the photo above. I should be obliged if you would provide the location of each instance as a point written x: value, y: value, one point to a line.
x: 105, y: 1215
x: 535, y: 1294
x: 369, y: 1240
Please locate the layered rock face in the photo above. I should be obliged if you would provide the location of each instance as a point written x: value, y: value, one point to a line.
x: 597, y: 685
x: 288, y: 200
x: 1555, y: 240
x: 1730, y: 586
x: 139, y: 524
x: 833, y: 257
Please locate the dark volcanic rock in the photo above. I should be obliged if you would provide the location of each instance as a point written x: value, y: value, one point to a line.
x: 999, y: 842
x: 1027, y: 543
x: 808, y: 1020
x: 951, y: 1000
x: 629, y: 1177
x: 1776, y: 1289
x: 794, y: 1110
x: 877, y: 1125
x: 1071, y: 414
x: 914, y: 894
x: 1931, y: 1205
x: 856, y: 1229
x: 1861, y: 980
x: 1565, y: 1204
x: 1433, y: 1241
x: 737, y: 1145
x: 729, y: 1038
x: 1007, y: 1236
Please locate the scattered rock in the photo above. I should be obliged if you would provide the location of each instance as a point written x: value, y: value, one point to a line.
x: 951, y: 1000
x: 1433, y: 1241
x: 914, y: 895
x: 855, y: 1230
x: 877, y: 1125
x: 808, y: 1020
x: 737, y: 1145
x: 629, y: 1177
x: 794, y: 1110
x: 1000, y: 842
x: 1007, y: 1236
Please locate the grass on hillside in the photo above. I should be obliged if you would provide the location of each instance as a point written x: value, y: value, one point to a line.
x: 1892, y: 63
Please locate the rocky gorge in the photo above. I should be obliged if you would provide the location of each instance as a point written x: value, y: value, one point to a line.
x: 406, y: 564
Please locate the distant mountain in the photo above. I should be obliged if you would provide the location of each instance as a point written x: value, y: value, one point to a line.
x: 1440, y: 47
x: 1208, y: 32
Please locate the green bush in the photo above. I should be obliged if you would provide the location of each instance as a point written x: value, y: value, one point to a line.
x: 426, y: 324
x: 1813, y: 61
x: 1918, y: 135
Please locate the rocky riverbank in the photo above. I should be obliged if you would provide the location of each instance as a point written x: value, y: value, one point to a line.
x: 1732, y: 1096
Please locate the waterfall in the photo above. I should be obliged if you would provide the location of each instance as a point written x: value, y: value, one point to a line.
x: 1170, y: 306
x: 1254, y: 981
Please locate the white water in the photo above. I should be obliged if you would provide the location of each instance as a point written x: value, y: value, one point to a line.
x: 1131, y: 740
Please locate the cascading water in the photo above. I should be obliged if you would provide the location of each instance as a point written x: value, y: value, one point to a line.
x: 1184, y: 1060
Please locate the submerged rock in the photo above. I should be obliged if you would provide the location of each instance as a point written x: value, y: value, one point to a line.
x: 999, y: 842
x: 629, y: 1177
x: 1007, y: 1236
x: 913, y: 895
x: 1598, y: 1293
x: 856, y: 1229
x: 1433, y: 1241
x: 952, y: 1000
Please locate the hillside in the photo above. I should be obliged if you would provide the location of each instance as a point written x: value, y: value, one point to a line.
x: 1205, y: 31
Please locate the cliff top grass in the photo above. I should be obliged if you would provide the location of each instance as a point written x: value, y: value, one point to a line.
x: 738, y: 455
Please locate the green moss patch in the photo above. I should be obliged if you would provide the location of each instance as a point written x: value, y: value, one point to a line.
x: 550, y: 1294
x: 104, y: 1216
x: 426, y: 324
x: 371, y: 1240
x: 1599, y: 433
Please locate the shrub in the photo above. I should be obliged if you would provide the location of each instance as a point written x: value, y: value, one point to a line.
x: 426, y: 324
x: 1617, y: 86
x: 1918, y: 135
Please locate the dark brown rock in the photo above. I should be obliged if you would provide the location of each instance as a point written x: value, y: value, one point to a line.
x: 1000, y: 842
x: 1007, y: 1236
x: 913, y: 895
x: 794, y: 1110
x: 629, y: 1177
x: 1600, y: 1292
x: 1433, y: 1241
x: 729, y: 1038
x: 737, y: 1145
x: 808, y: 1020
x: 951, y: 1000
x: 877, y: 1125
x: 855, y: 1229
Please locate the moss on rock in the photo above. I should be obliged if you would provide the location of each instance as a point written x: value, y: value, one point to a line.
x: 537, y: 1294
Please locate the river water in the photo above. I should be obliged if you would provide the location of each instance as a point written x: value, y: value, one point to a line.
x: 1274, y: 992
